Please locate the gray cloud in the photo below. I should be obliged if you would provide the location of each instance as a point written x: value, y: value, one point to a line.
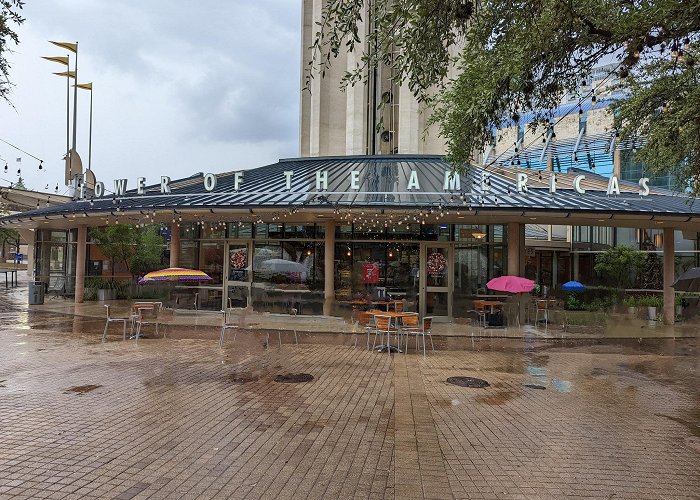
x: 179, y: 86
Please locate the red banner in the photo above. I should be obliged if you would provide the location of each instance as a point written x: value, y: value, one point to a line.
x: 370, y: 272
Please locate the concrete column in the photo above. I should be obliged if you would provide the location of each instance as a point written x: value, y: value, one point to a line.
x: 513, y: 248
x: 521, y: 252
x: 28, y: 237
x: 617, y: 161
x: 329, y: 269
x: 80, y: 264
x: 669, y: 276
x: 174, y: 245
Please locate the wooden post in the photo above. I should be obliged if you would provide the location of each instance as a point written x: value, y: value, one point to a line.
x: 80, y: 264
x: 669, y: 276
x: 174, y: 245
x: 329, y: 269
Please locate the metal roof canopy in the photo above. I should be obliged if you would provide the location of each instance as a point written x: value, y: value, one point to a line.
x: 383, y: 186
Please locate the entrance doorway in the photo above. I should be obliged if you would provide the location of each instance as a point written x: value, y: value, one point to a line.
x: 436, y: 285
x: 238, y: 273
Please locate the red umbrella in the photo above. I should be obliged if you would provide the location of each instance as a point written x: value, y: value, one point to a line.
x: 512, y: 284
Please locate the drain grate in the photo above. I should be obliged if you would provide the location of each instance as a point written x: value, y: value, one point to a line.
x: 535, y: 386
x: 475, y: 383
x: 294, y: 378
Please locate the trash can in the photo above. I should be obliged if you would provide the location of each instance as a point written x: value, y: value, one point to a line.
x: 36, y: 293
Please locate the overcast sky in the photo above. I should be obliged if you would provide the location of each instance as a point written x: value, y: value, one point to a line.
x: 179, y: 87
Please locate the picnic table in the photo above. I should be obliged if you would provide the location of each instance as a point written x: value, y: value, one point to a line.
x: 13, y: 277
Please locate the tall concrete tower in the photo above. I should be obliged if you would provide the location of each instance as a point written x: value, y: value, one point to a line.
x: 352, y: 122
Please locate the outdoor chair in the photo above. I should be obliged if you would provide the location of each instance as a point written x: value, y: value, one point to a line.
x: 408, y: 324
x: 365, y: 322
x: 110, y: 319
x: 227, y: 325
x: 542, y: 307
x: 480, y: 311
x: 146, y: 314
x: 398, y: 306
x: 58, y: 289
x: 424, y: 330
x: 382, y: 325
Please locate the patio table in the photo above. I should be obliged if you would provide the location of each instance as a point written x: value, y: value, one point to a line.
x: 395, y: 316
x: 13, y: 276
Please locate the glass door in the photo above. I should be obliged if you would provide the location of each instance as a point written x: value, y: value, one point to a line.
x: 436, y: 281
x: 238, y: 274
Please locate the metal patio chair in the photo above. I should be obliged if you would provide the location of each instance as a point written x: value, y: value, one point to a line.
x: 111, y: 319
x: 227, y: 325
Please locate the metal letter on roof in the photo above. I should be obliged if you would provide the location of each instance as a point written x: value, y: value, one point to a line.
x: 413, y: 181
x: 577, y: 184
x: 354, y: 179
x: 99, y: 189
x: 210, y: 182
x: 140, y: 185
x: 119, y: 187
x: 552, y: 183
x: 321, y: 180
x: 613, y: 186
x: 644, y: 186
x: 288, y: 179
x: 164, y: 184
x: 237, y: 179
x: 452, y: 182
x: 521, y: 182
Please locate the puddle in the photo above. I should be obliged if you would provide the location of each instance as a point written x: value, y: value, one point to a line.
x: 561, y: 385
x: 81, y: 389
x: 294, y: 378
x: 534, y: 386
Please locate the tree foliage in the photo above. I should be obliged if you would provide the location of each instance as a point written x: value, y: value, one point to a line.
x: 10, y: 19
x: 139, y: 248
x: 618, y: 266
x: 515, y: 56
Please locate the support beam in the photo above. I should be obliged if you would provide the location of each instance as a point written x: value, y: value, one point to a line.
x: 514, y: 248
x: 329, y: 269
x: 617, y: 162
x: 28, y: 237
x: 80, y: 264
x: 174, y: 245
x: 669, y: 276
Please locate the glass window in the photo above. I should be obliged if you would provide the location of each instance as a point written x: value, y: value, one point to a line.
x: 472, y: 233
x: 343, y: 232
x: 435, y: 232
x: 213, y: 231
x: 212, y: 261
x: 189, y: 252
x: 601, y: 238
x: 189, y: 230
x: 627, y: 236
x: 240, y: 230
x: 404, y: 232
x: 299, y: 231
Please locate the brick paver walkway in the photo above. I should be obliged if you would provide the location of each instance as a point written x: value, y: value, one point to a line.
x: 184, y: 419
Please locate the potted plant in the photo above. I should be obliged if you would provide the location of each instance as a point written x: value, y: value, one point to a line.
x: 652, y: 303
x: 631, y: 303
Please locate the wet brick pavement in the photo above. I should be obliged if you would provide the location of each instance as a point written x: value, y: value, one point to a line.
x: 184, y: 419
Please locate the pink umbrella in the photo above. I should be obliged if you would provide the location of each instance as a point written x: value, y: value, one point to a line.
x: 512, y: 284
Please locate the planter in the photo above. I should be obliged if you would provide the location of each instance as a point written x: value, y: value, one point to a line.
x: 651, y: 313
x: 632, y: 311
x: 104, y: 294
x: 679, y: 311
